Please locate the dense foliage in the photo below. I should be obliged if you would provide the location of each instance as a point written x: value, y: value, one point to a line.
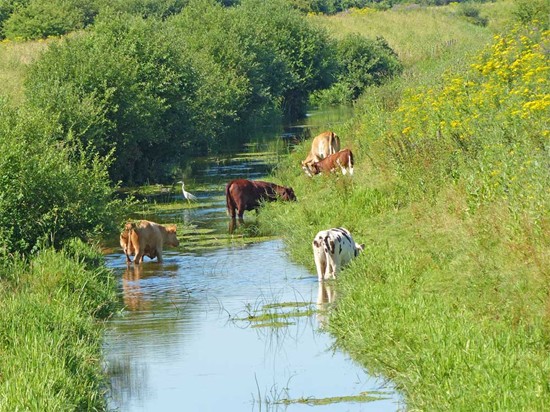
x: 49, y: 191
x: 153, y: 91
x: 361, y: 62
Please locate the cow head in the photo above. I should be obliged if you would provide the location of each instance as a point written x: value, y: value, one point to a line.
x: 287, y: 193
x: 171, y: 238
x: 359, y: 248
x: 306, y: 167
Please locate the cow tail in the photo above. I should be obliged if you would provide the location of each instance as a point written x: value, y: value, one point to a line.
x: 228, y: 200
x: 331, y: 143
x: 350, y: 162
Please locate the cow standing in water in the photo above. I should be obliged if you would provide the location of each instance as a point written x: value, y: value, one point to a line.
x: 343, y: 159
x: 243, y: 194
x: 322, y: 146
x: 332, y: 250
x: 147, y: 239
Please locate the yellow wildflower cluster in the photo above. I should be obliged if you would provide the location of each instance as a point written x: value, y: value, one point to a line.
x: 492, y: 120
x: 361, y: 11
x: 508, y: 83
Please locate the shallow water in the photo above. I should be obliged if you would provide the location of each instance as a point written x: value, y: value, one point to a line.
x: 185, y: 340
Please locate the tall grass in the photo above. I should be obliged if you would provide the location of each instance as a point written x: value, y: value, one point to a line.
x: 14, y: 59
x: 450, y: 297
x: 50, y: 332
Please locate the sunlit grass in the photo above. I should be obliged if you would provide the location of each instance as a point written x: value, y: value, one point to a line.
x: 15, y: 57
x: 449, y: 300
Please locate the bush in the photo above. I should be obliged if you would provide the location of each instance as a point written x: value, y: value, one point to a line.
x: 50, y: 191
x: 43, y: 18
x: 283, y: 57
x: 131, y: 87
x: 533, y: 10
x: 471, y: 14
x: 361, y: 62
x: 144, y: 8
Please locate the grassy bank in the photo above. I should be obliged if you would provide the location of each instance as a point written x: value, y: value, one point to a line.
x: 450, y: 297
x: 50, y: 327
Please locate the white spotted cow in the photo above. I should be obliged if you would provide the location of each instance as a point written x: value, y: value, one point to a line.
x: 332, y: 250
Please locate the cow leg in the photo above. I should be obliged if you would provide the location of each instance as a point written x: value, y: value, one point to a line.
x: 329, y: 268
x: 232, y: 225
x: 139, y: 256
x: 337, y: 263
x: 342, y: 168
x: 320, y: 261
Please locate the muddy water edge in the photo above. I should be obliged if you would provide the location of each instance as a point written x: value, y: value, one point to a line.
x: 228, y: 322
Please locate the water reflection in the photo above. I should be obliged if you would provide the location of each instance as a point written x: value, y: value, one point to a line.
x: 185, y: 343
x: 326, y: 296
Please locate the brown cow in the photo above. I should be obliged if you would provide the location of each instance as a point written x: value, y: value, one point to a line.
x: 147, y: 239
x: 322, y: 146
x: 242, y: 194
x: 342, y: 159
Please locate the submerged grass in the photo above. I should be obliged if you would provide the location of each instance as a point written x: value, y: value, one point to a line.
x: 276, y: 314
x: 362, y: 397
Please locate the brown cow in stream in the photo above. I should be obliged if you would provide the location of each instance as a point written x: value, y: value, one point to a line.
x: 147, y: 239
x: 243, y: 194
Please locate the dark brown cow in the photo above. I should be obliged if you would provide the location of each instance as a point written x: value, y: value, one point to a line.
x: 242, y: 194
x: 342, y: 159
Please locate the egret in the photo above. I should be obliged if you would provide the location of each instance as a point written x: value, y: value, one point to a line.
x: 186, y: 194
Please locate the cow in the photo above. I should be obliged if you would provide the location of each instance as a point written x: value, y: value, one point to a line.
x: 333, y: 249
x: 342, y: 159
x: 243, y: 194
x: 322, y: 146
x: 147, y: 239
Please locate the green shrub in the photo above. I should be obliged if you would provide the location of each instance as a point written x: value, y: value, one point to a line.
x: 144, y: 8
x: 43, y: 18
x: 363, y: 62
x: 471, y: 14
x: 50, y: 191
x: 131, y: 87
x: 533, y: 10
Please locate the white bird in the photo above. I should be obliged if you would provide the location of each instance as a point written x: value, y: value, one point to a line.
x: 187, y: 195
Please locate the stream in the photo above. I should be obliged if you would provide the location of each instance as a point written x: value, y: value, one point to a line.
x: 236, y: 327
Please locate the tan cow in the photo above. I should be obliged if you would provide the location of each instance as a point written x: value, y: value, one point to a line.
x: 322, y: 146
x: 147, y: 239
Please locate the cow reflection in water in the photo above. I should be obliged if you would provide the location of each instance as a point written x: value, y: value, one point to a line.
x: 132, y: 295
x: 326, y: 296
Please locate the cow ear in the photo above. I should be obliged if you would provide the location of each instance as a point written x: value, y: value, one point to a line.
x: 361, y: 246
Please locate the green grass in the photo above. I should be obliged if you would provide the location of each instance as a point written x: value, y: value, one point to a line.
x: 15, y: 57
x: 51, y: 332
x: 449, y: 300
